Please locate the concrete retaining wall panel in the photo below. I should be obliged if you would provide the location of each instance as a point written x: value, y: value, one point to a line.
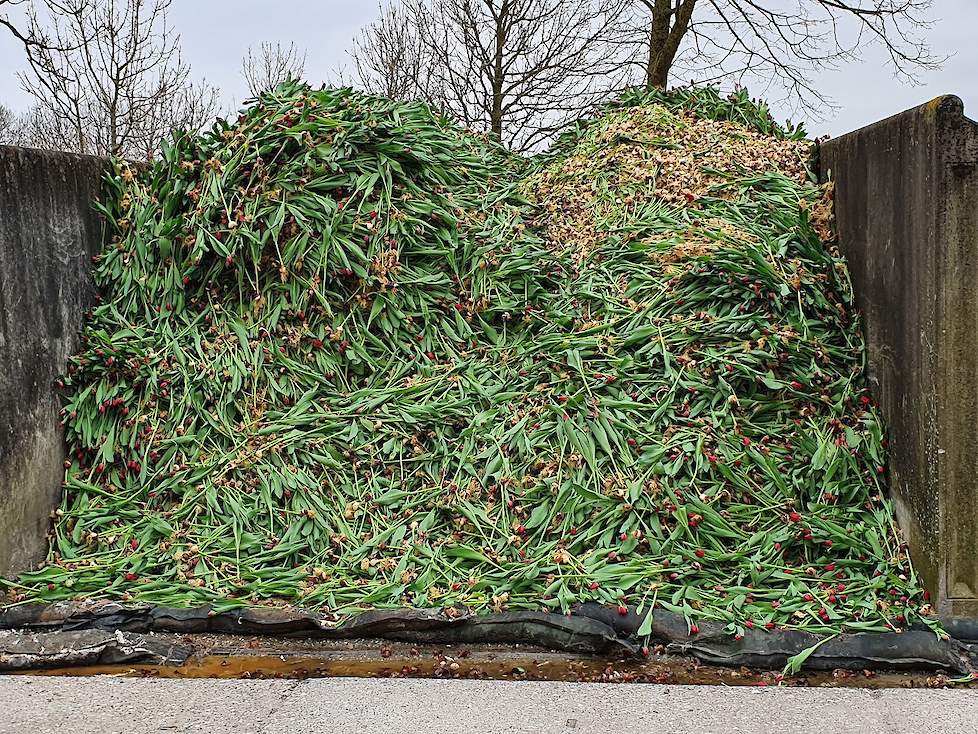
x: 906, y: 205
x: 49, y: 231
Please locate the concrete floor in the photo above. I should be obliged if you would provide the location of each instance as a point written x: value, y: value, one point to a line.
x: 352, y: 705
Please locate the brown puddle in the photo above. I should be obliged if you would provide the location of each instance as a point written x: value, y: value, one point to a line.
x: 285, y: 659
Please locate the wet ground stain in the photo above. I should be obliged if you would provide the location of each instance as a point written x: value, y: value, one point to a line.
x: 220, y: 656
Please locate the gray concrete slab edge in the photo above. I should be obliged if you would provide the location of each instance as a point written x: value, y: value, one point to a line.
x: 347, y: 705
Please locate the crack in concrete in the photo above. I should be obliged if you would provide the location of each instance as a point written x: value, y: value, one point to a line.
x: 287, y: 693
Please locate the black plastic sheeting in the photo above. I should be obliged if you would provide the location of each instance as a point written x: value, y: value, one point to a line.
x: 590, y: 630
x: 581, y: 635
x: 90, y: 647
x: 915, y: 649
x: 961, y: 628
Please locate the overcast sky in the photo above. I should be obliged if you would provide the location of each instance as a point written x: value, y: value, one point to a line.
x: 216, y: 34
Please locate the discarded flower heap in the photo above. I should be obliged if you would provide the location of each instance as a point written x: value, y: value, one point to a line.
x: 349, y: 355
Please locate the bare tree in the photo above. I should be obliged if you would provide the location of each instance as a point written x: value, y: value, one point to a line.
x: 191, y: 108
x: 39, y: 127
x: 111, y: 79
x: 9, y: 126
x: 770, y: 39
x: 270, y: 65
x: 520, y: 69
x: 390, y: 58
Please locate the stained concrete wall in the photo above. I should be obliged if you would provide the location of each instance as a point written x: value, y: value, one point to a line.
x: 906, y: 204
x: 48, y: 233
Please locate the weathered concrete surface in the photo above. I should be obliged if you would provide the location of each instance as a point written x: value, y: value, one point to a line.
x: 907, y: 217
x: 345, y: 705
x: 48, y: 233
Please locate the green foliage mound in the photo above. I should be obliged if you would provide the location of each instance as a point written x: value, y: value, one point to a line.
x: 349, y: 355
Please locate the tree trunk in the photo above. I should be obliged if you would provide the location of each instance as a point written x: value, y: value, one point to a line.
x: 496, y: 114
x: 669, y: 26
x: 658, y: 38
x: 658, y: 75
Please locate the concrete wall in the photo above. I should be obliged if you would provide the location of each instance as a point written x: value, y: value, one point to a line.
x: 906, y: 206
x: 48, y: 233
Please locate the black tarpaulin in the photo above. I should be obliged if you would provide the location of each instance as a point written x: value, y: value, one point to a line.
x: 590, y: 630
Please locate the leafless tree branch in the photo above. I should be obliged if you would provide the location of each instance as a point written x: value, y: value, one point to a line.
x: 111, y: 80
x: 18, y: 18
x: 519, y: 69
x: 10, y: 127
x: 714, y: 40
x: 270, y: 65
